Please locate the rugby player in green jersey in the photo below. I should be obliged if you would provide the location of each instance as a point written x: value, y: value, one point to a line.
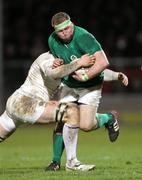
x: 70, y: 42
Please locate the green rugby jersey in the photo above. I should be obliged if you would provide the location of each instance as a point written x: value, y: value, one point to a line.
x: 82, y: 42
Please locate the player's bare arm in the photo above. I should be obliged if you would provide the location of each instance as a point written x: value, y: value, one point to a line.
x: 66, y: 69
x: 100, y: 64
x: 110, y: 75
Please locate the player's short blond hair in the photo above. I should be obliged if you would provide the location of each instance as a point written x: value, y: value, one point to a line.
x: 59, y: 18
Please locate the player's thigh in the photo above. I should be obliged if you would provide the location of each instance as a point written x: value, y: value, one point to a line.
x: 49, y: 112
x: 90, y: 96
x: 89, y: 103
x: 88, y: 117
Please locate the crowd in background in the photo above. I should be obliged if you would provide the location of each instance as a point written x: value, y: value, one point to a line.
x: 116, y: 25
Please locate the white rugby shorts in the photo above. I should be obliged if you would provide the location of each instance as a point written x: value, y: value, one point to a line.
x: 89, y: 96
x: 23, y: 108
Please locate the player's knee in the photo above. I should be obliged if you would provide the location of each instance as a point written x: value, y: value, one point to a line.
x: 86, y: 126
x: 60, y: 112
x: 72, y: 114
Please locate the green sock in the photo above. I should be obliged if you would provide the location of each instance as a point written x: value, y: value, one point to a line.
x: 103, y: 119
x: 58, y: 147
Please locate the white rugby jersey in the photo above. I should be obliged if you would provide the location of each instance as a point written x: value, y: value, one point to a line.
x: 39, y: 82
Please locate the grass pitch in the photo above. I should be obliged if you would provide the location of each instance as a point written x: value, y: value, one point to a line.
x: 27, y: 152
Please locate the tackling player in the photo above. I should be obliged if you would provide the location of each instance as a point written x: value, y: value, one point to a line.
x: 32, y: 102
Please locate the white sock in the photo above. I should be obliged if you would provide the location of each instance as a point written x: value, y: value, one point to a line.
x: 70, y: 136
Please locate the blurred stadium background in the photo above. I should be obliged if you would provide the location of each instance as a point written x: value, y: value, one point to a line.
x: 25, y: 27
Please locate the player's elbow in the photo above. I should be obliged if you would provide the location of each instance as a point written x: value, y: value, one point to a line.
x: 105, y: 65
